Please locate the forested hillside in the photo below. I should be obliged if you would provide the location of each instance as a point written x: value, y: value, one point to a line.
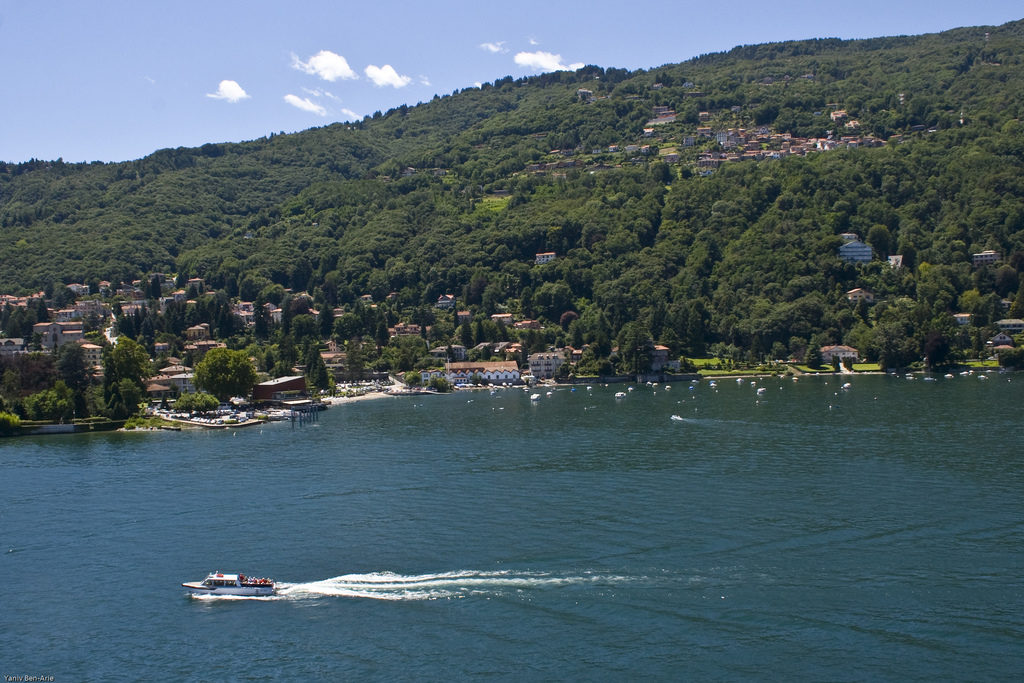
x: 695, y: 231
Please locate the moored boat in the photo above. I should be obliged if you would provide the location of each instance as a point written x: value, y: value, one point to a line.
x: 219, y: 583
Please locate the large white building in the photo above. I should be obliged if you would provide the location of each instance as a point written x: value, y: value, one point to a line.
x: 496, y: 372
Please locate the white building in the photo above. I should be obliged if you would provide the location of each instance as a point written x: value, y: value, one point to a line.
x: 984, y: 258
x: 545, y: 365
x: 1011, y: 325
x: 830, y: 353
x: 497, y: 372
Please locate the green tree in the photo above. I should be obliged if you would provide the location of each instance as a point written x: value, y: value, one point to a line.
x: 1013, y: 358
x: 123, y: 399
x: 72, y: 369
x: 225, y: 373
x: 440, y: 384
x: 9, y: 424
x: 325, y: 319
x: 316, y: 370
x: 56, y: 404
x: 636, y: 348
x: 199, y: 402
x: 125, y: 367
x: 812, y: 357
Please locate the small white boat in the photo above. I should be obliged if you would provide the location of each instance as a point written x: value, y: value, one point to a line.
x: 620, y: 394
x: 534, y: 397
x: 230, y: 584
x: 677, y: 418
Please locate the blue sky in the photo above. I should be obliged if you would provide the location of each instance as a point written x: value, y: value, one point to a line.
x: 114, y: 80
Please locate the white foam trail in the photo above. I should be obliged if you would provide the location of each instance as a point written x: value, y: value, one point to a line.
x: 445, y: 585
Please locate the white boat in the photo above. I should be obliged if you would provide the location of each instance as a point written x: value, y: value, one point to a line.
x: 230, y: 584
x: 620, y: 394
x: 534, y: 397
x: 677, y: 418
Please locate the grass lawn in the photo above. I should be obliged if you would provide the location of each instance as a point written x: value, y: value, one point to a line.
x: 704, y: 372
x: 867, y: 367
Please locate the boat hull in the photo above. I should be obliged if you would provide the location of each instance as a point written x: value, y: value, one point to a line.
x: 248, y: 591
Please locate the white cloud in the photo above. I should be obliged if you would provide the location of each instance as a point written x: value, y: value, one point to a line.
x: 325, y: 64
x: 305, y: 104
x: 544, y: 61
x: 350, y: 115
x: 494, y: 47
x: 317, y: 92
x: 386, y: 75
x: 230, y: 91
x: 424, y: 80
x: 533, y: 41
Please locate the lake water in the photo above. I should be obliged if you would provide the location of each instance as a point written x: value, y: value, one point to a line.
x: 806, y: 532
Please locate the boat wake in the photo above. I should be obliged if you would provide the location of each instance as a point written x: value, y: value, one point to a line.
x: 441, y: 586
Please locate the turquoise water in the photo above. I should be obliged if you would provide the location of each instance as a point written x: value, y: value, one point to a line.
x: 806, y: 532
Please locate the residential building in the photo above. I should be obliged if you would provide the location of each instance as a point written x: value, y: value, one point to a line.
x: 830, y: 353
x: 198, y: 332
x: 659, y: 358
x: 93, y: 354
x: 1001, y: 339
x: 446, y: 302
x: 984, y: 258
x: 496, y: 372
x: 544, y: 257
x: 859, y: 294
x: 1011, y: 325
x: 962, y: 318
x: 12, y: 346
x: 545, y: 365
x: 855, y: 252
x: 502, y: 318
x: 453, y: 352
x: 406, y: 329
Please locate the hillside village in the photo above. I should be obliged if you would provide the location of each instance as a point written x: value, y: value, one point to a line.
x: 519, y: 350
x: 667, y: 138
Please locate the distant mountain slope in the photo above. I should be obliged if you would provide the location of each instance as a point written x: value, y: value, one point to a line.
x: 458, y: 194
